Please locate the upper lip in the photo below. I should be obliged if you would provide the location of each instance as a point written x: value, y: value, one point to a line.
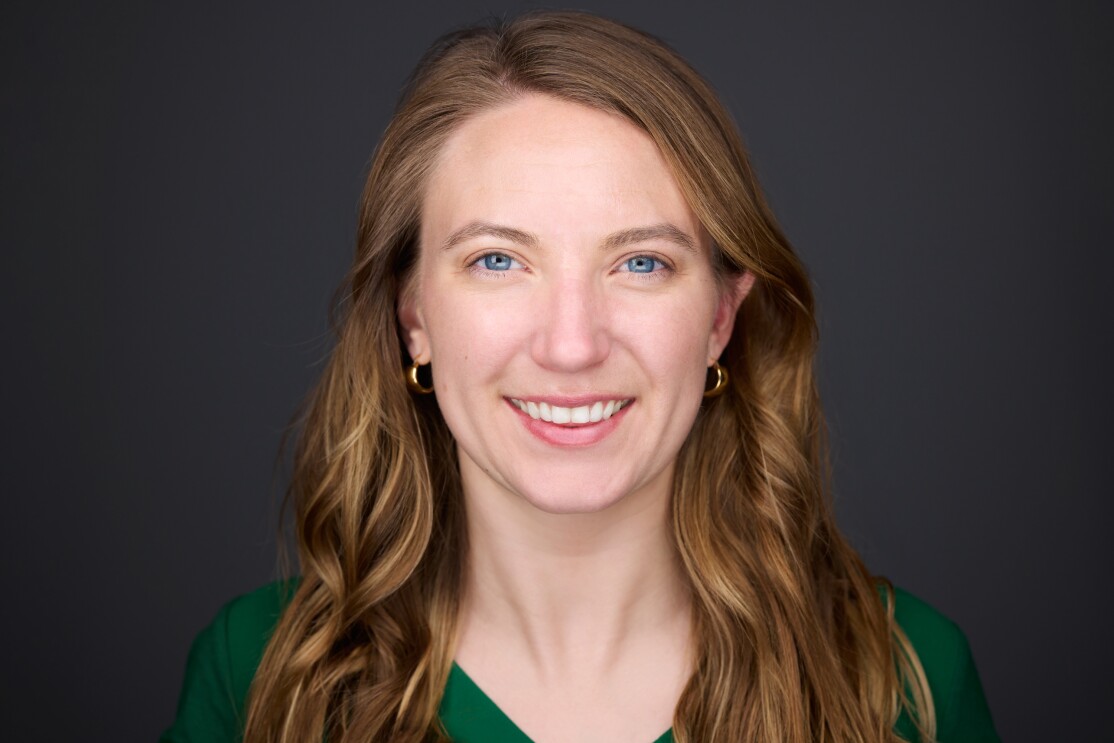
x: 569, y: 401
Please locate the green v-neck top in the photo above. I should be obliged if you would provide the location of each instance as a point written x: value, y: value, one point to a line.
x: 225, y: 655
x: 469, y: 715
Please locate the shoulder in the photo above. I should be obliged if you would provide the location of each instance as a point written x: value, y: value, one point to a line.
x: 222, y: 663
x: 247, y: 622
x: 938, y: 640
x: 949, y: 667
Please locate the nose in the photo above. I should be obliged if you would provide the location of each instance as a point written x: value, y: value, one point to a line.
x: 571, y: 327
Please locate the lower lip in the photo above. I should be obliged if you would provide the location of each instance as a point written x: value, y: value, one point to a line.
x: 571, y: 436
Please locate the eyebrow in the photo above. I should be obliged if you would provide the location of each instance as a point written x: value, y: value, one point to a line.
x: 487, y: 229
x: 664, y: 231
x: 615, y: 240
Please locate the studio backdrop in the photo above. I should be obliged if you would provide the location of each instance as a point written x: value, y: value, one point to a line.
x: 179, y: 192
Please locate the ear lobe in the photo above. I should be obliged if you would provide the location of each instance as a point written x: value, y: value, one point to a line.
x: 730, y: 299
x: 413, y: 327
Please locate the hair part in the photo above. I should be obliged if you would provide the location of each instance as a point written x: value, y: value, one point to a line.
x: 792, y: 639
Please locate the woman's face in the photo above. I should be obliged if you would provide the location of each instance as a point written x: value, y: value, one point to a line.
x: 565, y: 298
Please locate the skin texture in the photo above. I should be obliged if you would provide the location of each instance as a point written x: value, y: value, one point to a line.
x: 576, y: 616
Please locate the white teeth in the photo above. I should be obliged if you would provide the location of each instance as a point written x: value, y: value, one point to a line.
x: 594, y: 413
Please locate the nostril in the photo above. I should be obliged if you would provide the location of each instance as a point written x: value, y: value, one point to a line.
x: 572, y: 333
x: 571, y: 350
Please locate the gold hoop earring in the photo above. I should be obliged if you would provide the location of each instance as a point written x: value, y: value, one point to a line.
x: 721, y: 381
x: 412, y: 380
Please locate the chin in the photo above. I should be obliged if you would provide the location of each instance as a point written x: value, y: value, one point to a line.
x: 562, y: 494
x: 566, y: 488
x: 569, y: 503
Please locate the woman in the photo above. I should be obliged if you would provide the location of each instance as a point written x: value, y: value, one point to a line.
x: 568, y: 449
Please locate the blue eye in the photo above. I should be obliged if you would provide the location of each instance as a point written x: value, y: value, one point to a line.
x: 497, y: 262
x: 642, y: 264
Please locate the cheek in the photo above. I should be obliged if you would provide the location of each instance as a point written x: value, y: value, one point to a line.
x: 671, y: 336
x: 471, y: 336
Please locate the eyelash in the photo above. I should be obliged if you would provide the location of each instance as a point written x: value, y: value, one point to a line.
x: 655, y: 275
x: 476, y: 265
x: 663, y: 268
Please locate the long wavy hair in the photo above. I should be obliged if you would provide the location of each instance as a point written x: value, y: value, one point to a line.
x: 794, y: 640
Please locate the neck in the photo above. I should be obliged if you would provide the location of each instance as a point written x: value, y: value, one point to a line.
x: 572, y: 589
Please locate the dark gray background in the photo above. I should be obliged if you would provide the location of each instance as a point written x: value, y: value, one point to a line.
x: 179, y: 189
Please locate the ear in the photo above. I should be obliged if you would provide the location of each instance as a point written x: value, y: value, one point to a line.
x: 734, y: 292
x: 413, y: 325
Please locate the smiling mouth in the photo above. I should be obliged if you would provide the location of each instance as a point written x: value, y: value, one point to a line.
x: 582, y: 415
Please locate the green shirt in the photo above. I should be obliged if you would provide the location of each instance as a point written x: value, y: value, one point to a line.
x: 225, y: 655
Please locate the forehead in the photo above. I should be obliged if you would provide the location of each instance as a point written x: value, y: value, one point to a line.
x: 562, y: 167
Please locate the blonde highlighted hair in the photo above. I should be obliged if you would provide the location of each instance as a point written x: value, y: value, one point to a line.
x: 795, y: 641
